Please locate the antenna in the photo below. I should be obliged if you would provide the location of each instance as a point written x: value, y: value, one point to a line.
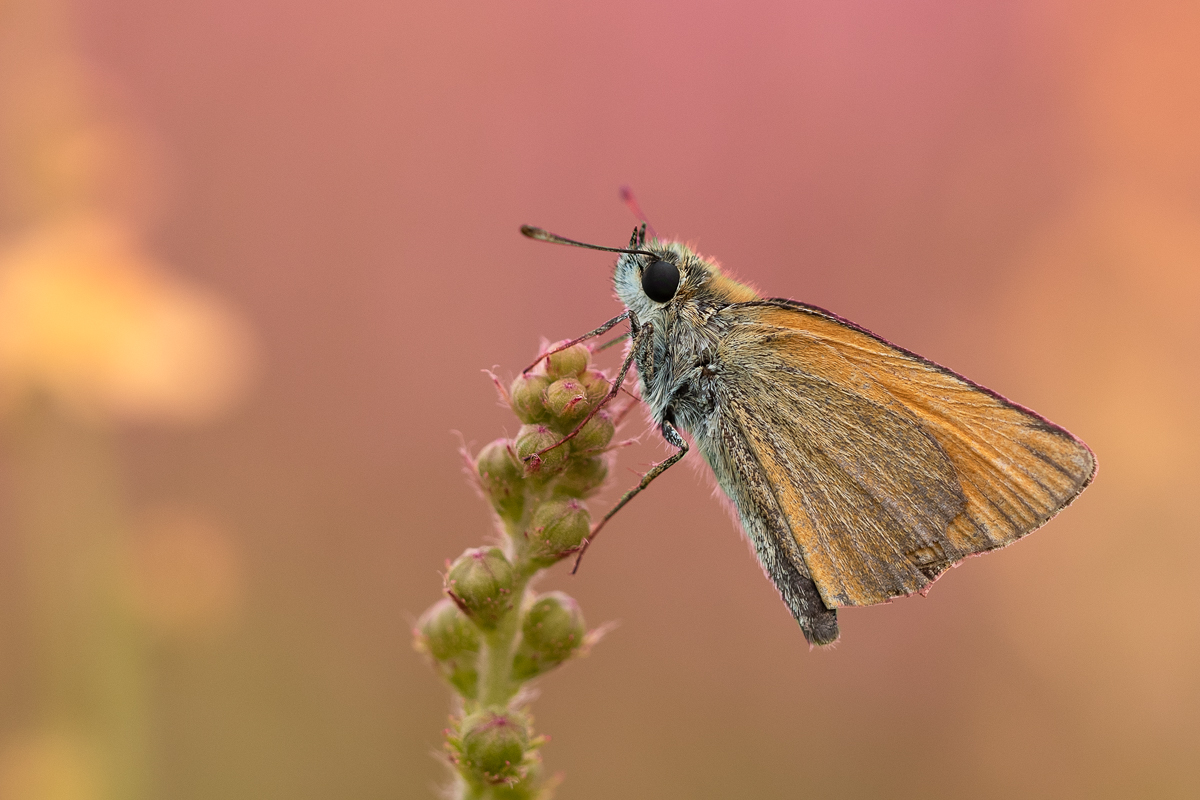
x: 554, y: 238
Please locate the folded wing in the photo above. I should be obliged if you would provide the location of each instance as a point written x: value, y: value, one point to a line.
x: 888, y: 467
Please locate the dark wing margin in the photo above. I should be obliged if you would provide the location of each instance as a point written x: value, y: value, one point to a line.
x: 887, y: 467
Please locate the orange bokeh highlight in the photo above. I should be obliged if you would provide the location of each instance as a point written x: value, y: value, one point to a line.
x: 186, y: 573
x: 89, y: 319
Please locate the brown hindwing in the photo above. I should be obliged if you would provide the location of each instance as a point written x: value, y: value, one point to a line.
x: 770, y: 533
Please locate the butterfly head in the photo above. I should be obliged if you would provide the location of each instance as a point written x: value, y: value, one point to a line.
x: 667, y: 275
x: 655, y: 278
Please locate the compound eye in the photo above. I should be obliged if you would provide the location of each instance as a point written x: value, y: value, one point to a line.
x: 660, y: 280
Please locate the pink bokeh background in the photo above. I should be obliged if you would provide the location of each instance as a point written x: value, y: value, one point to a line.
x: 1010, y: 189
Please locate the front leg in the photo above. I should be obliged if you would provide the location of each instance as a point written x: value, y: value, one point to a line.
x: 589, y: 335
x: 641, y: 341
x: 672, y: 436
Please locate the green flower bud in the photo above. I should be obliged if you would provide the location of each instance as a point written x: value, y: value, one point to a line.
x: 528, y: 397
x: 552, y: 631
x: 568, y: 363
x: 531, y: 439
x: 529, y: 787
x: 567, y: 402
x: 556, y: 530
x: 492, y: 747
x: 501, y: 476
x: 582, y: 477
x: 480, y: 582
x: 595, y: 435
x: 446, y: 635
x: 596, y: 385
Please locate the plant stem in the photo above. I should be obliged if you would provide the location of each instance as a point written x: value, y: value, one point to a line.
x: 496, y: 686
x: 495, y: 658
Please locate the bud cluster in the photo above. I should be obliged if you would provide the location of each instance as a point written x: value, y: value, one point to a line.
x: 492, y: 634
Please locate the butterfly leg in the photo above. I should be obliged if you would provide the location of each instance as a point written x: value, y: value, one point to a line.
x: 591, y: 334
x: 641, y: 340
x: 672, y: 436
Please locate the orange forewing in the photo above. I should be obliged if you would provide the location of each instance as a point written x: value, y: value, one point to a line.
x: 889, y: 468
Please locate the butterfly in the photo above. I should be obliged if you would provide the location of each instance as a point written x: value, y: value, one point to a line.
x: 859, y: 470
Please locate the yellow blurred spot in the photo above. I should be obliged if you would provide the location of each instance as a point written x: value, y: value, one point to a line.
x: 187, y: 573
x: 48, y: 767
x: 87, y: 318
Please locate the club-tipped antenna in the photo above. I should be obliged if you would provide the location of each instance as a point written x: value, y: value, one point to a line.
x: 554, y: 238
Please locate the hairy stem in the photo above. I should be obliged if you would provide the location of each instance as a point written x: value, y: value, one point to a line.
x: 496, y: 687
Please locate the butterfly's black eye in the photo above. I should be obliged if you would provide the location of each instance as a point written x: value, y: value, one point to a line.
x: 660, y: 280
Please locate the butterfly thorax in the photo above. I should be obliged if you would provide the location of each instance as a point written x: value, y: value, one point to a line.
x: 677, y: 371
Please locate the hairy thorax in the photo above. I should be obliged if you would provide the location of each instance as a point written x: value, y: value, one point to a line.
x: 679, y: 374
